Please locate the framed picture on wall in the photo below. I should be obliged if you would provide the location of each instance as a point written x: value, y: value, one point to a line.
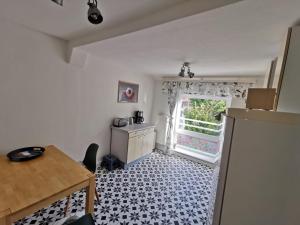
x: 128, y: 92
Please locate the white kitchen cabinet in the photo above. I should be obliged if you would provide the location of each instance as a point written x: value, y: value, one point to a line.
x: 132, y: 142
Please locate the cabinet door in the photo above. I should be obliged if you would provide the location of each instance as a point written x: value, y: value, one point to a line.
x: 141, y: 145
x: 148, y: 143
x: 132, y: 146
x: 135, y: 148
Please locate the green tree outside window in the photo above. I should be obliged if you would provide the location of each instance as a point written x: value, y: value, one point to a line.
x: 205, y: 110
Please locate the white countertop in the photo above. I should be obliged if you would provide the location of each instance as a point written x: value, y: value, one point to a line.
x: 135, y: 127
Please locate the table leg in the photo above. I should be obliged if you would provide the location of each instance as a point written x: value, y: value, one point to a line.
x: 3, y: 221
x: 90, y: 195
x: 5, y: 218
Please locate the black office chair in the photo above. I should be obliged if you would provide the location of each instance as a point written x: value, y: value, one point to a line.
x: 85, y: 220
x: 90, y: 162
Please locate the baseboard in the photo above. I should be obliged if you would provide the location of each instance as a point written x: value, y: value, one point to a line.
x: 126, y: 166
x: 98, y: 164
x: 160, y: 147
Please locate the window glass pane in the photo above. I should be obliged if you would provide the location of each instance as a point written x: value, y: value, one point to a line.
x: 201, y: 115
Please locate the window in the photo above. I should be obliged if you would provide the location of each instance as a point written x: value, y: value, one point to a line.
x: 199, y: 126
x: 201, y: 115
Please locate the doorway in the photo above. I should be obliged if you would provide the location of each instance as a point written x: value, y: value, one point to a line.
x: 199, y: 126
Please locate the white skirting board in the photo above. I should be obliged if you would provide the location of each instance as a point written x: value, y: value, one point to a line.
x: 160, y: 147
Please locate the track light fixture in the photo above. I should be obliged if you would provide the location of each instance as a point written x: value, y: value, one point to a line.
x: 59, y: 2
x: 94, y: 14
x: 186, y: 70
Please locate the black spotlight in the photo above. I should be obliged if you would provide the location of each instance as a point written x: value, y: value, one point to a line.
x: 94, y: 14
x: 191, y: 75
x: 59, y: 2
x: 181, y: 74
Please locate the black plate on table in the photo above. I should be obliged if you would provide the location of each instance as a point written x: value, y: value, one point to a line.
x: 24, y: 154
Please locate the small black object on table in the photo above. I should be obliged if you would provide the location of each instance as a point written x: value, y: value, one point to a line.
x: 25, y: 154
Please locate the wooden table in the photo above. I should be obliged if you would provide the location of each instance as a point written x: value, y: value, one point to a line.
x: 26, y: 187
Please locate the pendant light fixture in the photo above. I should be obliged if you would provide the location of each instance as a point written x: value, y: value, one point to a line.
x: 186, y: 70
x: 94, y: 14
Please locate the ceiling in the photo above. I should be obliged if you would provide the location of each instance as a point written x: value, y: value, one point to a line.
x: 70, y: 21
x: 238, y: 39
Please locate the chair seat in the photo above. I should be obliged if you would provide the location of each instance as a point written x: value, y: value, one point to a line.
x: 85, y: 220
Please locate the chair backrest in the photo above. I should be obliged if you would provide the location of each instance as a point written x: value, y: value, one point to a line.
x: 90, y: 158
x: 85, y: 220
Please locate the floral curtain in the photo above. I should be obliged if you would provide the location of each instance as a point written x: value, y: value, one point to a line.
x: 217, y: 89
x: 173, y: 92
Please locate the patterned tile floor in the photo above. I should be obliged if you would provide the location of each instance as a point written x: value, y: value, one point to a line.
x: 159, y: 190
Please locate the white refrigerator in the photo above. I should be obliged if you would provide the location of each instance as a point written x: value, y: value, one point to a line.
x: 259, y: 180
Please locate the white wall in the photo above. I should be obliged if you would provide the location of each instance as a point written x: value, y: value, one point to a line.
x: 159, y: 113
x: 44, y: 100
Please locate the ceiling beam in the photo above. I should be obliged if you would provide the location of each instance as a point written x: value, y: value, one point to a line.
x: 177, y: 11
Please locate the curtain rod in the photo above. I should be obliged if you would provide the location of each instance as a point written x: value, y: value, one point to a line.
x: 215, y: 79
